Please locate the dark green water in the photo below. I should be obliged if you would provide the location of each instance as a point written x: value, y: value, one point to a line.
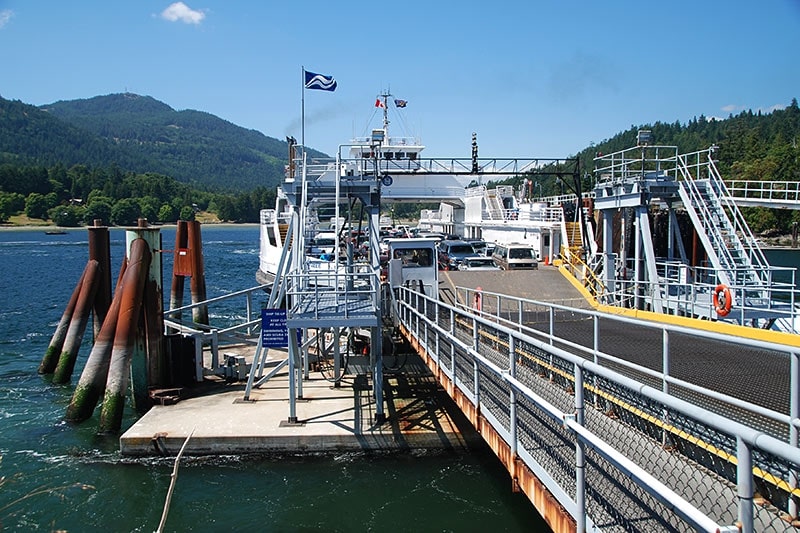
x: 55, y: 476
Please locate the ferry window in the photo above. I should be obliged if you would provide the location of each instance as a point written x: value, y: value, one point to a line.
x: 271, y: 236
x: 414, y: 257
x: 412, y: 156
x: 399, y: 155
x: 520, y: 253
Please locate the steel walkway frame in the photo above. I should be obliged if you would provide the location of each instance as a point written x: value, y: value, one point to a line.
x: 533, y: 401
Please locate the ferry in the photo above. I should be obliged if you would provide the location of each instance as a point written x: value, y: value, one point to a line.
x: 705, y: 264
x: 660, y: 231
x: 377, y: 154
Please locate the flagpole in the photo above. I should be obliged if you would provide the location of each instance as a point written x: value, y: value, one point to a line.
x: 303, y: 110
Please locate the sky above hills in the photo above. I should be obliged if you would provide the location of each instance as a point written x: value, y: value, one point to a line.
x: 532, y: 78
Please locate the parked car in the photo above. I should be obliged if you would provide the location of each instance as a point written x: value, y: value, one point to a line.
x: 515, y: 256
x: 453, y: 253
x: 478, y: 263
x: 479, y: 245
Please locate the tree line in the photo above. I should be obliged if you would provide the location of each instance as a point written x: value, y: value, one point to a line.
x: 752, y: 146
x: 80, y: 194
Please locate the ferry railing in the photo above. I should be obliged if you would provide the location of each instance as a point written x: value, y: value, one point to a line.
x: 768, y: 193
x: 643, y: 448
x: 329, y: 290
x: 584, y: 274
x: 234, y: 319
x: 688, y: 291
x: 633, y: 163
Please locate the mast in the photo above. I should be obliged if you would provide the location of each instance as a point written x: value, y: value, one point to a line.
x: 385, y: 97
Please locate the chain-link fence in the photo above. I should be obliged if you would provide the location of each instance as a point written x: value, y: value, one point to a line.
x: 643, y: 427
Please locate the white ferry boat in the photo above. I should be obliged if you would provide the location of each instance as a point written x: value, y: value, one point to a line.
x: 395, y: 160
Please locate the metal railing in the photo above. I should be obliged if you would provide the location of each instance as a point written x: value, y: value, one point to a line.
x: 688, y: 291
x: 234, y: 319
x: 766, y: 193
x: 617, y: 442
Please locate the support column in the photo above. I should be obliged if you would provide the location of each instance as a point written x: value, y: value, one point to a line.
x: 100, y: 251
x: 609, y: 272
x: 148, y: 366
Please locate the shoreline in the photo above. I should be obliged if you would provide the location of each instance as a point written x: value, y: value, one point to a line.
x: 51, y: 227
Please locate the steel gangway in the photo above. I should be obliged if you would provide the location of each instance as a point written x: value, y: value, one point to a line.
x: 726, y: 278
x: 732, y: 249
x: 618, y: 424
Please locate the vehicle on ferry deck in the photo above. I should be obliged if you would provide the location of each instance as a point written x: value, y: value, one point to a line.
x: 479, y: 245
x: 478, y: 263
x: 453, y: 252
x: 515, y: 256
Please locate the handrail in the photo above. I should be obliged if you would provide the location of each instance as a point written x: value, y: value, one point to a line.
x: 423, y: 318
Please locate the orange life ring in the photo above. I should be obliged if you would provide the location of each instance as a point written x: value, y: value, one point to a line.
x: 723, y: 308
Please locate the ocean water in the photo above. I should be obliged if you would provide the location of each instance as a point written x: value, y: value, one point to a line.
x: 58, y: 476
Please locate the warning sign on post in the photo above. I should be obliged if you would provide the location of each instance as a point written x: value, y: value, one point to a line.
x: 273, y: 328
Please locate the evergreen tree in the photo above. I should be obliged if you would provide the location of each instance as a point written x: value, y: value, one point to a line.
x: 36, y: 205
x: 125, y: 212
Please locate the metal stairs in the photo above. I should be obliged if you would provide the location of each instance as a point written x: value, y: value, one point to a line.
x: 494, y: 206
x: 732, y: 250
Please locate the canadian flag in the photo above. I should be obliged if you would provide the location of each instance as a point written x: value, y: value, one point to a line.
x: 379, y: 103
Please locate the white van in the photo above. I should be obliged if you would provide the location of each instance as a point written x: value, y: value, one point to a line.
x: 514, y: 256
x: 323, y: 243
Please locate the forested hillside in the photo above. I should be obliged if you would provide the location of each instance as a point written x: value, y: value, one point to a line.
x: 751, y: 146
x: 121, y: 156
x: 140, y: 134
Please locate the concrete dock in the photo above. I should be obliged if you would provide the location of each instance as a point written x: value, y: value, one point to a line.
x: 420, y: 416
x: 420, y: 413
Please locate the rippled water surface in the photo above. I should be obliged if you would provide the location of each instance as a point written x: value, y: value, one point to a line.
x: 56, y: 476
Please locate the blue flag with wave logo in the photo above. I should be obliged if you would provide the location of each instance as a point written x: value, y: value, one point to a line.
x: 320, y: 81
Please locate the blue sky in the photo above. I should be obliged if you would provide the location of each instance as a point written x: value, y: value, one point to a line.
x: 532, y: 78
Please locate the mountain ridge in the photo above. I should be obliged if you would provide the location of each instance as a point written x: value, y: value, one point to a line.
x: 142, y: 134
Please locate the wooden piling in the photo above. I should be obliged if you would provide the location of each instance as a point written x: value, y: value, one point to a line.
x: 92, y: 382
x: 77, y: 324
x: 198, y: 283
x: 50, y: 359
x: 181, y: 267
x: 125, y: 336
x: 100, y: 251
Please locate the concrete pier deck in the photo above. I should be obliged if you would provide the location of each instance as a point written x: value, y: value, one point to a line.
x: 420, y: 413
x: 420, y: 416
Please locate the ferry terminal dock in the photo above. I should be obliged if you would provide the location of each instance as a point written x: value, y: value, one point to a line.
x: 420, y: 414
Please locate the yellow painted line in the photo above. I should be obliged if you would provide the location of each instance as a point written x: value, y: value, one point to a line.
x: 758, y: 472
x: 765, y: 335
x: 696, y: 441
